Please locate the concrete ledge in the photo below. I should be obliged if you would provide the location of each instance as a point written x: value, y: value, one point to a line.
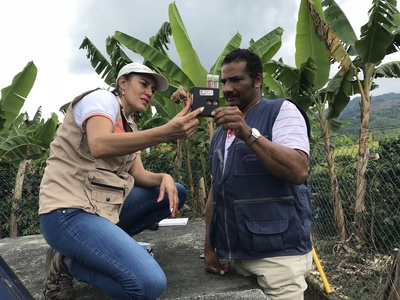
x: 316, y: 290
x: 177, y: 249
x: 256, y: 294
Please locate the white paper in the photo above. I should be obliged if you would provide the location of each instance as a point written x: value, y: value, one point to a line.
x: 173, y: 222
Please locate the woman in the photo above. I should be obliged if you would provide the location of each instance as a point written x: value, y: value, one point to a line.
x: 88, y: 209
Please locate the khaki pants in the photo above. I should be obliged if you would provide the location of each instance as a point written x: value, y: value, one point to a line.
x: 282, y: 278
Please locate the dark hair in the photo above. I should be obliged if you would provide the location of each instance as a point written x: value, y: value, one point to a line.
x: 116, y: 91
x: 253, y: 61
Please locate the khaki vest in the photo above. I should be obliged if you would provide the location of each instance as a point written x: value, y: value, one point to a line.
x: 74, y: 179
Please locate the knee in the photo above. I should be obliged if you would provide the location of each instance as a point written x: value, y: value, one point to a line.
x: 148, y: 287
x: 155, y: 287
x: 181, y: 194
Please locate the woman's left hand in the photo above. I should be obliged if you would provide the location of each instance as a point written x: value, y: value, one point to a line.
x: 168, y: 187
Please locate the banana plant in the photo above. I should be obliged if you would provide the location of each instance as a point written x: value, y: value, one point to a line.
x: 26, y: 140
x: 13, y: 97
x: 380, y: 37
x: 307, y: 85
x: 21, y: 139
x: 316, y: 48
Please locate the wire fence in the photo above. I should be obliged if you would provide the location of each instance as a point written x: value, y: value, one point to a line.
x: 360, y: 264
x: 357, y: 266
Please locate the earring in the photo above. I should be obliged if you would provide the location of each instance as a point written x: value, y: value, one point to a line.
x: 123, y: 92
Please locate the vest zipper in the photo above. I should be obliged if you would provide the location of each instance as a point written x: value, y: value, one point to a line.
x: 226, y: 225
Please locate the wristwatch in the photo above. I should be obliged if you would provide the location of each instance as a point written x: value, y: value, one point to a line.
x: 255, y: 134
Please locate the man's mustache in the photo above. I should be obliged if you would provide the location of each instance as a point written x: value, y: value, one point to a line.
x: 231, y: 95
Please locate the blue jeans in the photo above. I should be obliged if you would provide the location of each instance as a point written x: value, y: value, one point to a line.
x: 104, y: 254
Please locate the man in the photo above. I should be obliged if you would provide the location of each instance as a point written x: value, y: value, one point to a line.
x: 258, y: 212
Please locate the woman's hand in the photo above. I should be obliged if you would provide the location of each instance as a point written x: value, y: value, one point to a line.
x: 168, y: 187
x: 184, y: 125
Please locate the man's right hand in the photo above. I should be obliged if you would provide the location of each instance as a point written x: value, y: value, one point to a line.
x: 212, y: 263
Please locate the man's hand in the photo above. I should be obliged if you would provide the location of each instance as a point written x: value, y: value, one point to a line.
x: 230, y: 117
x: 212, y: 263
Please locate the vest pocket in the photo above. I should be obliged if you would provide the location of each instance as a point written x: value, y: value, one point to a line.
x: 267, y: 224
x: 106, y: 192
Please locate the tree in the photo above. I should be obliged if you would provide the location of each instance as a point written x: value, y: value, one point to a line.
x: 308, y: 84
x: 380, y: 37
x: 317, y: 46
x: 21, y: 139
x: 13, y: 97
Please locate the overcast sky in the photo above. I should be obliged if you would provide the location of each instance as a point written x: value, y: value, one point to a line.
x: 50, y: 32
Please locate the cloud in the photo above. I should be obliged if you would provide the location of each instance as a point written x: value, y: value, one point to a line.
x: 210, y: 25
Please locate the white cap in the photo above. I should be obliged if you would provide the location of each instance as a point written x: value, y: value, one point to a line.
x: 161, y: 81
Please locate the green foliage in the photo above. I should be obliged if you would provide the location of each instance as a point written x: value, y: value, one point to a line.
x: 13, y: 97
x: 27, y: 139
x: 21, y: 140
x: 384, y: 119
x: 378, y: 34
x: 28, y: 219
x: 338, y: 20
x: 160, y: 159
x: 318, y: 182
x: 383, y: 197
x: 189, y: 59
x: 383, y: 193
x: 308, y: 44
x: 165, y: 158
x: 98, y: 61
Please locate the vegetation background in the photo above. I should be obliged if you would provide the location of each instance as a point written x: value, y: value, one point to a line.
x: 354, y: 166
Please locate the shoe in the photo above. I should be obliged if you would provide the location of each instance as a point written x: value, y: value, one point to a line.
x: 154, y: 227
x: 58, y: 282
x: 147, y: 247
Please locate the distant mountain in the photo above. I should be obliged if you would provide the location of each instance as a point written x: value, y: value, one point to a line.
x: 384, y: 119
x: 381, y: 102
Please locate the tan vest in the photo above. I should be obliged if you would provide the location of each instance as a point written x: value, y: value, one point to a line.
x: 74, y: 179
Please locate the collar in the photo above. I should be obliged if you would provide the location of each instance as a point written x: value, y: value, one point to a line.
x: 128, y: 118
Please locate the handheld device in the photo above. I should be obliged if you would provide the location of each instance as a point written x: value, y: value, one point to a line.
x: 206, y: 97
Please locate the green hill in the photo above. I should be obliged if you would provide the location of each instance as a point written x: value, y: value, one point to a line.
x: 384, y: 119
